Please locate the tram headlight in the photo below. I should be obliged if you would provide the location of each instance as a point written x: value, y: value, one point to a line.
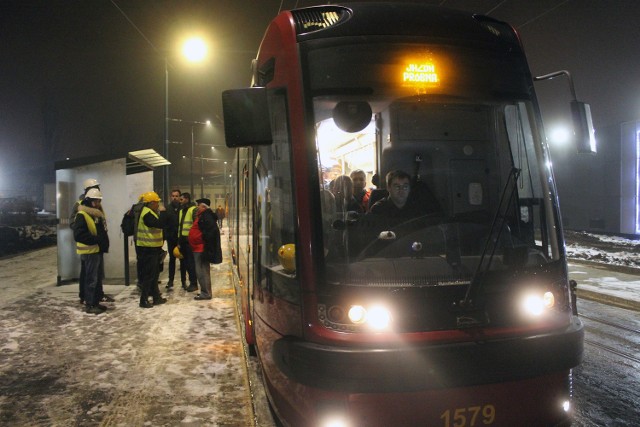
x: 334, y: 421
x: 536, y: 304
x: 379, y: 318
x: 357, y: 314
x: 376, y: 317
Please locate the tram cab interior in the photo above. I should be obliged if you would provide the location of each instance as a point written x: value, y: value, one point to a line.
x: 476, y: 186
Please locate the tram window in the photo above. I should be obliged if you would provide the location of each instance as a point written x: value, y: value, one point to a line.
x: 275, y: 213
x: 531, y: 225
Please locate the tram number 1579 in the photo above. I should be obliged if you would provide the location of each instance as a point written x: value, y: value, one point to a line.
x: 469, y: 417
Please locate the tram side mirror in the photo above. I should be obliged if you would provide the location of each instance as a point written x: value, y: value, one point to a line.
x: 583, y: 127
x: 352, y: 116
x: 246, y: 117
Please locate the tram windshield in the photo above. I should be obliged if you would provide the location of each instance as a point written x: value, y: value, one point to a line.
x: 427, y: 172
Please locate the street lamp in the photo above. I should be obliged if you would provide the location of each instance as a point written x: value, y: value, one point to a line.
x: 194, y: 50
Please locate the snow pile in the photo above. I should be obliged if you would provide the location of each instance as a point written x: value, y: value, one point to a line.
x: 603, y: 249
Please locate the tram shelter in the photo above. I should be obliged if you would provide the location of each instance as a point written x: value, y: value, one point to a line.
x: 122, y: 180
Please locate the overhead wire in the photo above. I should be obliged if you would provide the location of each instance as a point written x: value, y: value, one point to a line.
x: 543, y: 13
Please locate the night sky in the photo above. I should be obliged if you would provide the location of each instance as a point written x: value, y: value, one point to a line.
x: 78, y: 78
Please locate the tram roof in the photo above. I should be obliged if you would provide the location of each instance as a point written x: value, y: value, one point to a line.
x: 401, y: 19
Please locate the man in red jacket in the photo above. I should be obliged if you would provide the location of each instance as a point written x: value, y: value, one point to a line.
x: 204, y: 239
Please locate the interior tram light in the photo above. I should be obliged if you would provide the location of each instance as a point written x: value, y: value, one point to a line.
x: 536, y: 304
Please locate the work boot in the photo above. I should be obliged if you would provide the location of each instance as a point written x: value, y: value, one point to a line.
x: 145, y: 304
x: 192, y: 288
x: 94, y: 309
x: 159, y: 300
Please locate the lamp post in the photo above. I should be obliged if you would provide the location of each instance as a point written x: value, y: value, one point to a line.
x: 193, y: 143
x: 194, y: 50
x: 165, y: 171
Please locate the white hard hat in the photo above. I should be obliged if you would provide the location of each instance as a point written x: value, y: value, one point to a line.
x: 93, y: 193
x: 91, y: 182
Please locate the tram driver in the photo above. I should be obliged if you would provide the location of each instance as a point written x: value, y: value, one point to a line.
x: 397, y: 205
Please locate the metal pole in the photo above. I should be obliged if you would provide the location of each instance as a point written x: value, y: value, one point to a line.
x: 201, y: 175
x: 192, y: 149
x: 165, y: 176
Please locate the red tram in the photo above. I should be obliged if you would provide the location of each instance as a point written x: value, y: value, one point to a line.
x: 457, y: 315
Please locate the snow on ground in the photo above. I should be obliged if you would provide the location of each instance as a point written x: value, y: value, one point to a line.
x: 603, y: 249
x: 180, y: 363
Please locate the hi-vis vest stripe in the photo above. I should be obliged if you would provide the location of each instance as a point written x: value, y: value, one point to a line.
x: 188, y: 221
x: 148, y: 237
x: 81, y: 248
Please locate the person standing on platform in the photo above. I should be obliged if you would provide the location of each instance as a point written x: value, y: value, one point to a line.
x: 171, y: 233
x: 204, y: 239
x: 187, y: 264
x: 88, y: 184
x: 149, y: 241
x: 220, y: 215
x: 92, y: 241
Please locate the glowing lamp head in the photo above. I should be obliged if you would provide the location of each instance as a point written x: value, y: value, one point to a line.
x: 335, y: 421
x: 357, y: 314
x: 376, y: 317
x: 379, y: 318
x: 536, y: 304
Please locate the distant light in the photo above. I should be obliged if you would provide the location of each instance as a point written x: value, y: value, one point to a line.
x: 208, y: 122
x: 566, y: 406
x: 560, y: 135
x: 195, y: 49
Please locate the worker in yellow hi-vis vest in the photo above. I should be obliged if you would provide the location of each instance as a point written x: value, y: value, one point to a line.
x: 92, y: 241
x: 149, y: 240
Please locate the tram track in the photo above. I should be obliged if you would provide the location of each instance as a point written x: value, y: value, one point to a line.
x: 613, y: 350
x: 607, y: 348
x: 612, y: 324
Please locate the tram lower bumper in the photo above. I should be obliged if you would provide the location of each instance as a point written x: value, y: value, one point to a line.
x: 433, y: 366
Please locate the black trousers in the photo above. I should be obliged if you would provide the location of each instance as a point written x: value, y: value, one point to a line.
x: 171, y: 245
x: 149, y: 267
x: 187, y: 264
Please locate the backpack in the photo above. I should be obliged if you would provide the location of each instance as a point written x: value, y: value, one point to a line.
x: 130, y: 219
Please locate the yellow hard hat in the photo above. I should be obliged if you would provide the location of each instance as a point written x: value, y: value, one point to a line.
x: 176, y: 253
x: 287, y: 257
x: 150, y: 196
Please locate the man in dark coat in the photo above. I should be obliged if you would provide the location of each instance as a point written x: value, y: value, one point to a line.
x: 171, y: 233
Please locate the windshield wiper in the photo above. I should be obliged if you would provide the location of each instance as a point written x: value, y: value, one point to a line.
x: 466, y: 319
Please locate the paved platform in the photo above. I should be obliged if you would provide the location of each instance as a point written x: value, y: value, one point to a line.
x: 180, y: 363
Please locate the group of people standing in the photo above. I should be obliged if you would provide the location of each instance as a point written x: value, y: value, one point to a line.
x: 190, y: 229
x: 193, y: 237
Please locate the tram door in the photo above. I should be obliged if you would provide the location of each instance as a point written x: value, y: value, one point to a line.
x: 245, y: 227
